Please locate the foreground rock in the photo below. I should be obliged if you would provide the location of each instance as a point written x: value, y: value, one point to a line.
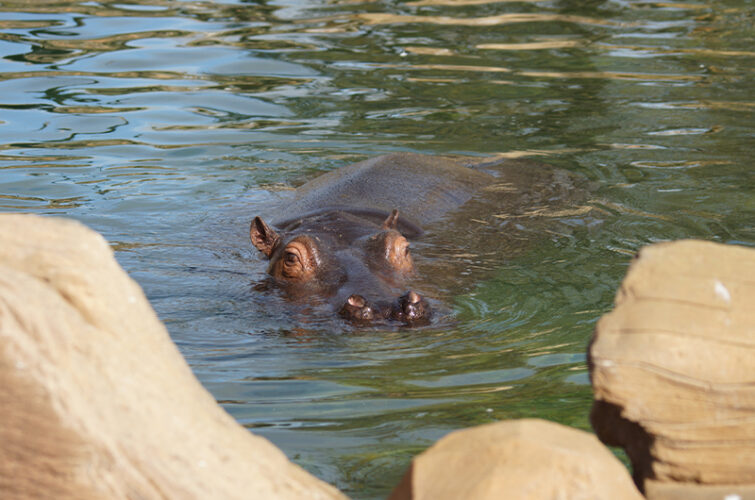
x: 516, y: 459
x: 673, y: 370
x: 96, y: 400
x: 664, y: 490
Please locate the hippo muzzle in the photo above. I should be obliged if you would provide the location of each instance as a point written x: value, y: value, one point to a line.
x: 356, y: 264
x: 410, y: 309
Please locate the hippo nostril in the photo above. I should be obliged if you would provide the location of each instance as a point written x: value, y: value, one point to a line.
x: 357, y: 309
x: 357, y: 301
x: 411, y: 308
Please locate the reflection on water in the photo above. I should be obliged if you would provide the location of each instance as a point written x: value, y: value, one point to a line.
x: 382, y: 18
x: 167, y: 125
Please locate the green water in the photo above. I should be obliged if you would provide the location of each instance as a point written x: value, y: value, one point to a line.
x: 167, y: 125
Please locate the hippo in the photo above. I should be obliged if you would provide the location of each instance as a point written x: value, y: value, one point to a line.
x: 346, y: 235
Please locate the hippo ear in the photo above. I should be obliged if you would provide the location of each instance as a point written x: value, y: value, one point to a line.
x: 392, y: 221
x: 263, y: 237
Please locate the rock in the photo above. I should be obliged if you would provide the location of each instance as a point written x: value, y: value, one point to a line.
x: 673, y: 365
x: 661, y: 490
x: 516, y: 459
x: 96, y: 400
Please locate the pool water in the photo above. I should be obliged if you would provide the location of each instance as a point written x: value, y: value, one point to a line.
x: 167, y: 125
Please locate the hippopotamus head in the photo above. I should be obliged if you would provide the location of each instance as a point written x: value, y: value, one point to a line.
x: 360, y: 266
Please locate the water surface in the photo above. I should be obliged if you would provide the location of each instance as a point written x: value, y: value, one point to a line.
x: 167, y: 125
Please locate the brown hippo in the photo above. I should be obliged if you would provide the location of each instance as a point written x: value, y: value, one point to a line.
x: 345, y: 235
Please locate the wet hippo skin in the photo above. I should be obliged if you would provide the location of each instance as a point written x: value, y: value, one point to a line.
x: 346, y: 235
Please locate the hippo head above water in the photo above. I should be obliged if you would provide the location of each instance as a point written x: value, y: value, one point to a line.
x: 358, y: 265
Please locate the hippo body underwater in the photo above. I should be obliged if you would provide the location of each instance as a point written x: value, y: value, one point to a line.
x: 345, y: 235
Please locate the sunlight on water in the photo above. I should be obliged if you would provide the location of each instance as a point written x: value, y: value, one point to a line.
x: 168, y: 125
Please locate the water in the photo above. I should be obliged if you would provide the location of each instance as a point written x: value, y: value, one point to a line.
x: 167, y: 125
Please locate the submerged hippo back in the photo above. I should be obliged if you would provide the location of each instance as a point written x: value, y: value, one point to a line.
x: 422, y: 188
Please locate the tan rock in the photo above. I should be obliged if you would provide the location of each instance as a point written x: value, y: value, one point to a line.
x: 663, y: 490
x: 516, y: 459
x: 96, y: 401
x: 673, y: 365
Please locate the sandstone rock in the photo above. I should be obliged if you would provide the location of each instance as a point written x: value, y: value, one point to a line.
x: 673, y: 365
x: 516, y: 459
x: 662, y: 490
x: 96, y: 400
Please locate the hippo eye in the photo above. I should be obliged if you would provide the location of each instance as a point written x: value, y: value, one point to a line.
x: 397, y: 252
x: 402, y: 248
x: 390, y: 250
x: 296, y: 262
x: 291, y: 258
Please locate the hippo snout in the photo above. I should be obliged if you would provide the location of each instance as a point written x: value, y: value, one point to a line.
x: 411, y: 308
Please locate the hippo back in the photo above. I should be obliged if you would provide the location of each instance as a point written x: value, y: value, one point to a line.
x: 422, y: 188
